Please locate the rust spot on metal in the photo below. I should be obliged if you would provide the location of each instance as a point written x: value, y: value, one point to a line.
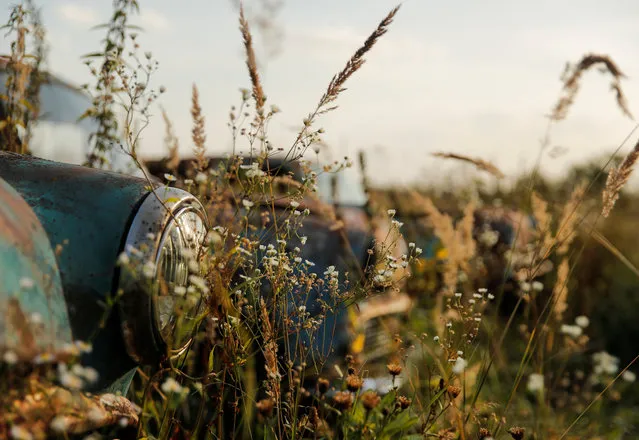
x: 18, y: 222
x: 18, y: 322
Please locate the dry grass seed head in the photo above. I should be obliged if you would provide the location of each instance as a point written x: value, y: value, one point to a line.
x: 617, y: 178
x: 198, y: 132
x: 569, y: 218
x: 571, y: 82
x: 479, y: 163
x: 560, y: 290
x: 251, y: 64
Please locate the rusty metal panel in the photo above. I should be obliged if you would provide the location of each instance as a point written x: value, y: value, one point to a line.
x: 33, y: 313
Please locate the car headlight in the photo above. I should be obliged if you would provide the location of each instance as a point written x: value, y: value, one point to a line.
x: 163, y: 245
x: 90, y: 218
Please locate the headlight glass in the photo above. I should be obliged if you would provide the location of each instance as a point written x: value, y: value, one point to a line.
x: 160, y: 307
x: 176, y: 306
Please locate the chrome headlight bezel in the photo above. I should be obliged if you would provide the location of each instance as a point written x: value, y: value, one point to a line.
x: 161, y: 213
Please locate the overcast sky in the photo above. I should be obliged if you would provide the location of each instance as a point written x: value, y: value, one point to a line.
x: 468, y: 77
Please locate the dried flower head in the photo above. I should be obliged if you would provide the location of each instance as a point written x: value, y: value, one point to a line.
x: 454, y: 391
x: 353, y: 382
x: 402, y: 402
x: 343, y: 400
x: 265, y: 407
x: 483, y: 433
x: 322, y: 385
x: 370, y: 400
x: 394, y: 369
x: 516, y: 432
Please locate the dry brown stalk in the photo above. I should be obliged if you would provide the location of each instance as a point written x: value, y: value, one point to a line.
x: 251, y: 63
x: 171, y: 142
x: 270, y: 353
x: 568, y: 220
x: 617, y: 178
x: 571, y: 83
x: 560, y: 291
x: 543, y: 232
x: 198, y: 133
x: 479, y: 163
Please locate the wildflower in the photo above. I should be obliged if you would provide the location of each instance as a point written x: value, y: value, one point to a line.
x: 605, y: 363
x: 179, y: 290
x: 477, y: 295
x: 418, y: 251
x: 171, y: 386
x: 169, y: 177
x: 253, y: 170
x: 454, y: 391
x: 84, y: 347
x: 516, y: 432
x: 265, y: 407
x: 303, y: 239
x: 20, y: 433
x: 484, y: 434
x: 525, y: 286
x: 370, y: 400
x: 353, y: 382
x: 490, y: 296
x: 59, y: 424
x: 148, y: 269
x: 458, y: 295
x: 571, y: 330
x: 482, y: 290
x: 71, y: 380
x: 199, y: 283
x: 247, y: 203
x: 188, y: 181
x: 294, y: 204
x: 309, y: 263
x: 330, y: 271
x: 397, y: 223
x: 537, y: 286
x: 391, y: 212
x: 411, y: 245
x: 535, y: 382
x: 10, y: 358
x: 629, y: 376
x: 436, y: 338
x: 471, y: 301
x: 460, y: 365
x: 403, y: 402
x: 43, y: 358
x: 26, y: 283
x: 582, y: 321
x: 123, y: 259
x: 200, y: 178
x: 322, y: 385
x: 343, y: 400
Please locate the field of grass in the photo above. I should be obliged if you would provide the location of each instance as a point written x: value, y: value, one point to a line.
x: 523, y: 312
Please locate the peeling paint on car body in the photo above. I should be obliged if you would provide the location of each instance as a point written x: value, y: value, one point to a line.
x: 33, y: 317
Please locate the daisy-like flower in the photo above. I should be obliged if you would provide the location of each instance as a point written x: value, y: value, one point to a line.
x: 169, y: 177
x: 171, y: 386
x: 247, y: 204
x: 535, y: 382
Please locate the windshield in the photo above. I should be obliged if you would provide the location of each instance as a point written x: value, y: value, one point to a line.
x: 60, y: 135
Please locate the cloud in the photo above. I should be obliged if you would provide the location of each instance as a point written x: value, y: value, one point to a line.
x: 150, y: 19
x: 78, y: 14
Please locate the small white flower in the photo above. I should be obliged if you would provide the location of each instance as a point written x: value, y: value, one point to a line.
x: 71, y: 380
x: 525, y: 286
x: 247, y: 203
x: 59, y: 424
x: 298, y: 259
x: 20, y: 433
x: 199, y: 283
x: 418, y: 251
x: 605, y: 363
x: 411, y: 245
x: 123, y: 259
x: 148, y: 269
x: 482, y: 290
x: 436, y: 338
x: 490, y: 296
x: 179, y: 290
x: 188, y: 181
x: 84, y: 347
x: 26, y: 283
x: 200, y: 178
x: 537, y: 286
x: 171, y: 386
x: 391, y: 212
x: 571, y: 330
x: 535, y: 382
x: 471, y: 301
x: 294, y: 204
x: 303, y: 239
x: 460, y: 365
x: 582, y: 321
x: 458, y: 295
x: 629, y: 376
x: 169, y: 177
x: 309, y: 263
x: 10, y: 358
